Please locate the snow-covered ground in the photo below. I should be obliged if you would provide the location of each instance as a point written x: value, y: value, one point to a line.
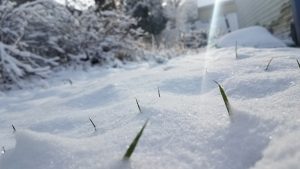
x: 188, y: 125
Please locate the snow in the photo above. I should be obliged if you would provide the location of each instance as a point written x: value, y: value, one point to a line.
x: 255, y: 36
x: 188, y: 125
x: 282, y: 153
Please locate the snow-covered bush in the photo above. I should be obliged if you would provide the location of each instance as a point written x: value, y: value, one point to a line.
x: 150, y: 15
x: 18, y: 55
x: 183, y: 28
x: 38, y: 35
x: 107, y: 36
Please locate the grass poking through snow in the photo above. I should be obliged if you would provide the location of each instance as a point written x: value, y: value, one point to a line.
x: 95, y: 128
x: 134, y: 143
x: 138, y: 105
x: 236, y: 50
x: 158, y: 91
x: 14, y: 129
x: 298, y: 63
x: 225, y: 99
x: 267, y: 68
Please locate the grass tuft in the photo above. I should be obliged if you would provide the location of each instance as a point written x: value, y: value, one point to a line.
x: 158, y: 91
x: 134, y: 143
x: 269, y: 63
x: 95, y: 128
x: 138, y: 105
x: 14, y: 129
x: 298, y: 63
x: 225, y: 99
x: 68, y: 81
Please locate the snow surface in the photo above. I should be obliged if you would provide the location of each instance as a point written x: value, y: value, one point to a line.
x: 188, y: 128
x: 256, y: 36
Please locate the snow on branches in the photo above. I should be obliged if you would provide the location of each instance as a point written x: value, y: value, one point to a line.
x: 38, y: 35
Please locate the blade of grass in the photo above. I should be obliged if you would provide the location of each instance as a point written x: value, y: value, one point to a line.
x: 158, y: 91
x: 236, y: 50
x: 14, y: 129
x: 225, y: 99
x: 134, y: 143
x: 298, y: 63
x: 138, y: 105
x: 267, y: 68
x: 95, y: 128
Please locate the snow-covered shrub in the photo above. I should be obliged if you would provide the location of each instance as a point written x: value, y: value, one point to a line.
x: 194, y: 39
x: 107, y: 36
x: 16, y: 61
x: 183, y: 29
x: 36, y: 36
x: 150, y: 15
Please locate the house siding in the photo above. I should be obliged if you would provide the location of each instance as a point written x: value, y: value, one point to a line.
x: 205, y: 13
x: 228, y: 12
x: 276, y: 15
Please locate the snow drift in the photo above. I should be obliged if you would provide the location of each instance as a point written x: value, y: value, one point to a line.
x: 256, y: 36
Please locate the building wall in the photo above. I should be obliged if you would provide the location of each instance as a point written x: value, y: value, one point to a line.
x: 276, y: 15
x: 205, y: 13
x: 228, y: 11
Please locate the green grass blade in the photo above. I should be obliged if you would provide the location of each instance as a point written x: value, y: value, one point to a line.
x: 269, y: 63
x: 138, y: 105
x: 298, y: 63
x: 134, y: 143
x: 225, y: 98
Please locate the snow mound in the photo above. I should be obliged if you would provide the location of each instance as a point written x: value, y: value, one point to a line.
x: 35, y: 150
x: 256, y: 36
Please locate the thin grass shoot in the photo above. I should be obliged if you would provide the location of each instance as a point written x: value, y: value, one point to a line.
x: 268, y: 65
x: 14, y: 128
x: 134, y: 143
x: 236, y: 50
x: 158, y: 91
x: 95, y: 128
x: 138, y: 105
